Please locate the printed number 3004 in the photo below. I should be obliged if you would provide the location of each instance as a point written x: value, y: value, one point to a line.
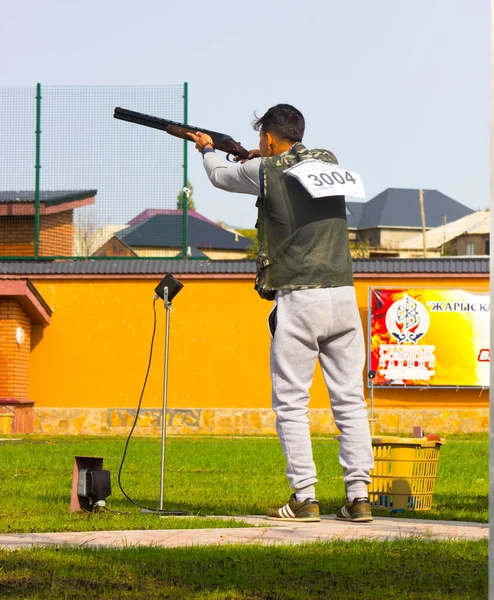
x: 330, y: 179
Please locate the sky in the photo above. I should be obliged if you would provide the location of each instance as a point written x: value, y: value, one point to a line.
x: 400, y: 92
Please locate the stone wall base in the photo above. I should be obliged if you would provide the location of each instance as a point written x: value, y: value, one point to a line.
x: 224, y: 421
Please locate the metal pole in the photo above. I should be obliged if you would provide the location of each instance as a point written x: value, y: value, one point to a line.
x: 445, y: 220
x: 168, y: 306
x: 369, y: 360
x: 491, y: 393
x: 372, y: 406
x: 422, y: 216
x: 37, y: 168
x: 185, y: 196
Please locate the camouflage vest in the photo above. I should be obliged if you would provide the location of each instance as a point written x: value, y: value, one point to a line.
x: 303, y: 241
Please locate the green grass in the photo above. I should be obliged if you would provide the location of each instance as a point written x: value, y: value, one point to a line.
x: 362, y: 570
x: 227, y: 476
x: 207, y: 476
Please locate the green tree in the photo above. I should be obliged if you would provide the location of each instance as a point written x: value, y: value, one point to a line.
x: 360, y: 249
x: 181, y: 195
x: 251, y: 251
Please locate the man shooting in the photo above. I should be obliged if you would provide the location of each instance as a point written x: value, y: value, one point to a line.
x: 304, y: 265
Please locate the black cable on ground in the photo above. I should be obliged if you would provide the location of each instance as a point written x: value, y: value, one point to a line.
x: 136, y: 417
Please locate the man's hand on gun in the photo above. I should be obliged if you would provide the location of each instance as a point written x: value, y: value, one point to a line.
x: 203, y: 140
x: 252, y: 154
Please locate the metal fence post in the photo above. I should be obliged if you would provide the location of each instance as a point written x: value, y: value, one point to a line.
x: 37, y: 168
x: 185, y: 196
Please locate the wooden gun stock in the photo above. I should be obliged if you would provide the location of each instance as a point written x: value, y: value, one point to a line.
x: 221, y: 141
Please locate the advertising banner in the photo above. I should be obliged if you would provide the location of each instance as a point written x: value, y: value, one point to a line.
x: 429, y: 337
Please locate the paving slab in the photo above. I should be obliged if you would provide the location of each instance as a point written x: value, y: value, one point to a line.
x: 261, y: 531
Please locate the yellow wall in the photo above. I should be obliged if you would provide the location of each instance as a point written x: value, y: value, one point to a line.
x: 172, y: 252
x: 95, y: 351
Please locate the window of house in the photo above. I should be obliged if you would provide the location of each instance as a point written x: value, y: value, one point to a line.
x: 470, y: 249
x: 486, y: 247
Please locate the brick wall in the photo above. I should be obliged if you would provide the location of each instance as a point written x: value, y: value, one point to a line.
x: 16, y: 236
x: 14, y: 357
x: 55, y: 237
x: 56, y: 234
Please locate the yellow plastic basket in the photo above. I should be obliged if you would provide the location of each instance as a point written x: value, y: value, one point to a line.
x: 405, y: 472
x: 6, y: 422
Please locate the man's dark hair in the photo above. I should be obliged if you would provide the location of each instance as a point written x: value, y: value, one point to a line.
x: 283, y: 121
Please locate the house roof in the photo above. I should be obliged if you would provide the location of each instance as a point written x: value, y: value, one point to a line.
x: 142, y: 266
x: 28, y: 297
x: 475, y: 223
x: 151, y: 212
x: 165, y: 231
x: 192, y: 252
x: 397, y: 207
x: 21, y: 202
x: 87, y: 243
x: 354, y: 213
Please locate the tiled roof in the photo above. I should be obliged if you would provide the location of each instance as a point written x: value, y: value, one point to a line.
x: 84, y: 244
x: 165, y: 231
x: 474, y: 223
x: 396, y: 207
x: 49, y: 198
x: 405, y: 266
x: 412, y: 266
x: 193, y: 252
x: 151, y: 212
x: 354, y: 213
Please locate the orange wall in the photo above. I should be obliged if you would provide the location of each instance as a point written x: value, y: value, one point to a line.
x: 95, y: 351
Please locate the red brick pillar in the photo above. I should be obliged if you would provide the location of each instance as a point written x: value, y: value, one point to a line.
x: 15, y: 347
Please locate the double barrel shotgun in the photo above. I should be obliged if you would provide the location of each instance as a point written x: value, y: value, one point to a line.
x: 221, y: 141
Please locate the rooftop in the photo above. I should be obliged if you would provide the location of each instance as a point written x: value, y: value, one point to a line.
x: 21, y: 202
x: 474, y: 223
x: 152, y: 212
x: 165, y: 231
x: 398, y: 207
x: 474, y: 266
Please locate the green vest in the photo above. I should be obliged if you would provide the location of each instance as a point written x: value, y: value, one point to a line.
x: 303, y: 241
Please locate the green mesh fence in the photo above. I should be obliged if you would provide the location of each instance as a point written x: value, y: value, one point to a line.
x: 106, y: 187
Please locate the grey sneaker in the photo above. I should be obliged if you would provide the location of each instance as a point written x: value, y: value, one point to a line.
x: 305, y: 512
x: 358, y: 511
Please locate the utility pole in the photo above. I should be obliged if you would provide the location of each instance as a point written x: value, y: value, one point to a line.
x: 445, y: 220
x: 422, y: 216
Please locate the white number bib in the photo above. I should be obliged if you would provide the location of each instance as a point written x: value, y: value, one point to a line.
x: 326, y: 179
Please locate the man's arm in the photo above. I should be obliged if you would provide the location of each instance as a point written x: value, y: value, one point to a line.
x: 244, y: 178
x: 240, y: 178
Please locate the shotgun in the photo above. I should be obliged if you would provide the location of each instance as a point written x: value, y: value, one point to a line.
x: 221, y: 141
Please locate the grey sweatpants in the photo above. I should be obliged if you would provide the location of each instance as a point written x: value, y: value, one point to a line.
x: 320, y: 324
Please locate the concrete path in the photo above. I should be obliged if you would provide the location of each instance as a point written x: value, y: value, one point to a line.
x: 261, y: 532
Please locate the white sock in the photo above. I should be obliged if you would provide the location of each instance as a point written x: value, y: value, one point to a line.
x: 356, y: 489
x: 307, y: 493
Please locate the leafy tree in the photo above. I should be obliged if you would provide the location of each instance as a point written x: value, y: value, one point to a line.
x: 360, y: 249
x: 181, y: 195
x: 252, y: 250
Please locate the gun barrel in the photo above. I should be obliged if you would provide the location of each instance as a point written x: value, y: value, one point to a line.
x: 221, y: 141
x: 140, y: 118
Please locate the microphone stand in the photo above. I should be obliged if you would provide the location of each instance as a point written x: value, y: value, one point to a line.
x: 161, y: 511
